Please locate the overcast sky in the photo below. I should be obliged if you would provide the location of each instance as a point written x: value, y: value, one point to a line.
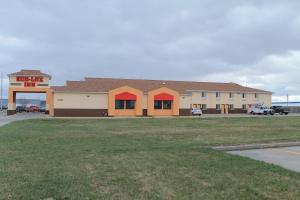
x: 254, y: 43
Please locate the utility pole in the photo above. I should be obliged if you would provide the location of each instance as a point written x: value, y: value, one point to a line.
x: 1, y: 92
x: 287, y: 100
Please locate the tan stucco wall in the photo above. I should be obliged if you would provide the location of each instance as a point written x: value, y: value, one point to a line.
x: 145, y: 101
x: 185, y: 101
x: 210, y: 100
x: 80, y: 101
x: 100, y: 101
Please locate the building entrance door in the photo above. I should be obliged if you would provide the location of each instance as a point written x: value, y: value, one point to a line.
x: 224, y: 109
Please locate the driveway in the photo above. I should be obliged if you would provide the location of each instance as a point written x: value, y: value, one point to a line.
x: 287, y: 157
x: 4, y: 119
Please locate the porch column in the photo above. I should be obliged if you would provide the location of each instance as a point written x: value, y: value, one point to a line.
x: 49, y: 103
x: 11, y: 110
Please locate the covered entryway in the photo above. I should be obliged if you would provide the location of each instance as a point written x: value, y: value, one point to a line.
x: 224, y: 108
x: 29, y: 81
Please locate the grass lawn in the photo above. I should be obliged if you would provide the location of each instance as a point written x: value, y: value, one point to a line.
x: 142, y: 159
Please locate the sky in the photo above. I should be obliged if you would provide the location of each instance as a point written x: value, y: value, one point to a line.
x: 255, y: 43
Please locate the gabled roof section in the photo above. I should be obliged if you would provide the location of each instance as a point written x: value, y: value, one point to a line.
x: 26, y: 72
x: 106, y: 84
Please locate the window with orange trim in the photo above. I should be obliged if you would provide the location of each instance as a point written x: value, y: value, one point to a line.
x: 124, y: 104
x: 125, y: 100
x: 165, y: 105
x: 163, y: 101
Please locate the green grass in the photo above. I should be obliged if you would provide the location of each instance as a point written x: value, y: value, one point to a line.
x: 142, y: 159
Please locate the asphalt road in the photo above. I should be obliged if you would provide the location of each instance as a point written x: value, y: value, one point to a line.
x: 287, y: 157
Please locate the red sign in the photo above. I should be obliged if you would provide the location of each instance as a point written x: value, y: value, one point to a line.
x: 30, y: 81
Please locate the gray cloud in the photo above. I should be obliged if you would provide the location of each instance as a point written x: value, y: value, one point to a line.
x: 255, y: 42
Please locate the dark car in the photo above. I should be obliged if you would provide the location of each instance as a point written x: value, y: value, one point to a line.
x: 20, y: 109
x: 4, y: 107
x: 280, y: 109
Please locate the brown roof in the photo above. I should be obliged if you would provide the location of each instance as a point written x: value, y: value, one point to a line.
x: 106, y: 84
x: 25, y: 72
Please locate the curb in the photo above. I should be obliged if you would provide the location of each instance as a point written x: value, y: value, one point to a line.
x: 256, y: 146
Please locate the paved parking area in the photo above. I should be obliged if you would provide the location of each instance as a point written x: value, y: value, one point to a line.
x: 246, y: 115
x: 4, y: 119
x: 287, y: 157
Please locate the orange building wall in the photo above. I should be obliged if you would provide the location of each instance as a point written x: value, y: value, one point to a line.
x: 175, y: 106
x: 138, y: 111
x: 12, y: 96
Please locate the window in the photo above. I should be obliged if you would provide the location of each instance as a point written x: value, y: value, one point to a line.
x: 218, y: 106
x: 244, y: 95
x: 218, y: 94
x: 230, y: 95
x: 167, y: 105
x: 120, y: 104
x: 203, y: 106
x: 157, y: 104
x: 124, y: 104
x: 160, y: 104
x: 256, y: 96
x: 231, y: 106
x: 244, y: 107
x: 130, y: 104
x: 203, y: 94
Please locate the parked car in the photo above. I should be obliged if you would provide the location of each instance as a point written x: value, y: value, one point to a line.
x: 196, y: 111
x: 280, y: 110
x: 42, y: 109
x: 260, y: 110
x: 32, y: 108
x: 4, y: 107
x: 20, y: 109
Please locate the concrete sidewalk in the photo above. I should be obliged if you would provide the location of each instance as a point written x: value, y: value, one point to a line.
x: 287, y: 157
x: 257, y: 146
x: 4, y: 119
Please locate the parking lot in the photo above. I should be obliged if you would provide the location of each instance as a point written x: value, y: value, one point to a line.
x: 288, y: 157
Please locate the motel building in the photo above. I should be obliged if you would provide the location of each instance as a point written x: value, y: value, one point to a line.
x: 100, y: 97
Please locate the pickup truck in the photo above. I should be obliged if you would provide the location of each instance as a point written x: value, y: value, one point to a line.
x: 196, y: 111
x: 280, y: 109
x: 261, y: 110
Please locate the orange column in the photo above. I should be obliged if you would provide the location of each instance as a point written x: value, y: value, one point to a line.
x: 11, y: 102
x: 50, y: 102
